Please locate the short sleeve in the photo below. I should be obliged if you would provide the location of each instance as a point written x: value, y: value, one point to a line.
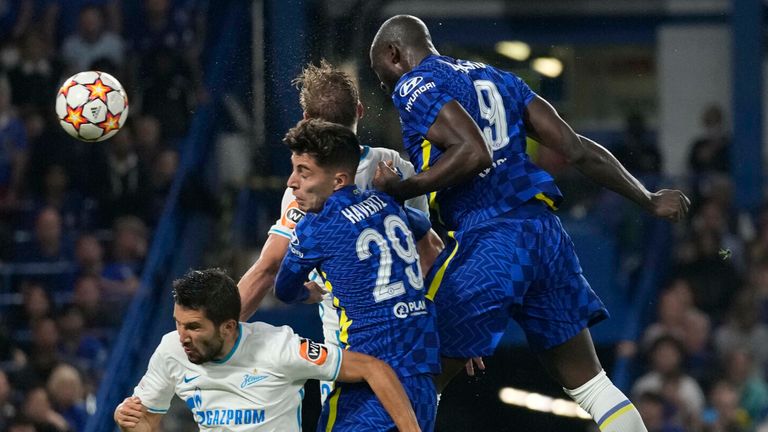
x: 290, y: 215
x: 525, y: 93
x: 302, y: 358
x: 419, y: 99
x: 155, y: 388
x: 418, y: 221
x: 304, y: 254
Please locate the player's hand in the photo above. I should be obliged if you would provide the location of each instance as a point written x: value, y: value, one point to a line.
x: 670, y: 204
x: 474, y: 362
x: 316, y: 293
x: 386, y: 178
x: 130, y: 412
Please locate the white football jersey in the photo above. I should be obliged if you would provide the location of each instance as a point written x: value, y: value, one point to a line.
x: 257, y: 387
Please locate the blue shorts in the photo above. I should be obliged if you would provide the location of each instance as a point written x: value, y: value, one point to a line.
x: 522, y: 265
x: 354, y: 407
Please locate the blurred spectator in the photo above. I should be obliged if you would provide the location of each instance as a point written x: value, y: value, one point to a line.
x: 654, y: 413
x: 713, y: 279
x: 121, y: 274
x: 13, y: 148
x: 148, y: 134
x: 36, y: 76
x: 22, y: 424
x: 7, y: 409
x: 15, y: 16
x: 166, y: 164
x: 638, y: 151
x: 127, y: 187
x: 43, y: 351
x: 58, y: 195
x: 92, y: 42
x: 709, y: 152
x: 36, y: 304
x: 164, y: 25
x: 37, y: 407
x: 674, y: 304
x: 724, y: 414
x: 49, y: 243
x: 65, y: 387
x: 743, y: 330
x: 65, y: 15
x: 89, y: 256
x: 667, y: 378
x: 78, y: 348
x: 742, y: 374
x: 166, y: 93
x: 701, y: 361
x: 88, y: 299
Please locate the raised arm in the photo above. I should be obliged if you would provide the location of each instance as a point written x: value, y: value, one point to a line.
x: 356, y: 367
x: 593, y: 160
x: 132, y: 416
x: 465, y: 155
x: 260, y: 278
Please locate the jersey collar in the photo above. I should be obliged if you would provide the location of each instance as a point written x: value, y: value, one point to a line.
x: 364, y: 152
x: 234, y: 347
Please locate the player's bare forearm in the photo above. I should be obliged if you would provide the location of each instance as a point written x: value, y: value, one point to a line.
x: 260, y: 278
x: 601, y: 166
x: 597, y: 163
x: 465, y: 155
x: 132, y: 416
x: 356, y: 367
x: 429, y: 247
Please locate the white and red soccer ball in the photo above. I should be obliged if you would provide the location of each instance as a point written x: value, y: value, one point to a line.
x: 92, y: 106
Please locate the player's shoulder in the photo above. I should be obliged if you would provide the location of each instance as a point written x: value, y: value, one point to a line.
x: 170, y: 346
x: 267, y: 341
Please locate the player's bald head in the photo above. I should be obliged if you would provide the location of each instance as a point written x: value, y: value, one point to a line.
x: 403, y: 31
x: 399, y: 46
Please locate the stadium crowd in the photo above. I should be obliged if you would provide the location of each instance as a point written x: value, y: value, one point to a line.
x: 76, y: 218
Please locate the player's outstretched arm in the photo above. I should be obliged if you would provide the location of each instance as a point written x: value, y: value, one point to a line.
x: 465, y: 155
x: 356, y: 367
x: 597, y: 163
x: 132, y: 416
x: 260, y: 278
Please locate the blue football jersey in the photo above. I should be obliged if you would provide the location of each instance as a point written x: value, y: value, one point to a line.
x: 496, y: 100
x: 361, y: 242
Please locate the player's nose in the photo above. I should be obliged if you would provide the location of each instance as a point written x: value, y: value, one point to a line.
x: 292, y: 181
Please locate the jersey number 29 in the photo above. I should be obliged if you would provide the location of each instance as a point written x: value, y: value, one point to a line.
x: 385, y: 289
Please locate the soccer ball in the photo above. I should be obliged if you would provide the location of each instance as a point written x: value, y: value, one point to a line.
x: 92, y: 106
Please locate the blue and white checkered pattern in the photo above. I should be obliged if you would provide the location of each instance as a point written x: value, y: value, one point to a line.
x: 355, y: 408
x: 522, y: 265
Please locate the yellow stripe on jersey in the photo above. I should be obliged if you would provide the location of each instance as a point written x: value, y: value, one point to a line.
x: 435, y: 285
x: 333, y: 409
x: 426, y: 150
x: 547, y: 200
x: 614, y: 416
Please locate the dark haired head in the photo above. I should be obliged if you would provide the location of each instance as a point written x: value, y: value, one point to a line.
x: 330, y: 144
x: 210, y: 291
x: 328, y: 93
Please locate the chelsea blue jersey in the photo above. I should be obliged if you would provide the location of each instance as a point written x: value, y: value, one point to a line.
x: 363, y: 246
x: 496, y: 100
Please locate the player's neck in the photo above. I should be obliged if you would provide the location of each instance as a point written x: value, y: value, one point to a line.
x: 229, y: 346
x: 416, y: 55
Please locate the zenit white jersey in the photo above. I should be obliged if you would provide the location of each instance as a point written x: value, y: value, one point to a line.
x: 290, y: 215
x: 257, y: 387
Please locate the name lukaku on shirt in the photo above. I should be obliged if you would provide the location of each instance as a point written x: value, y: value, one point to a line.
x: 368, y: 207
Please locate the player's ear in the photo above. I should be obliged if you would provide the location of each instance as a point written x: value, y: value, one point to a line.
x: 394, y: 54
x: 340, y: 179
x: 360, y: 110
x: 306, y: 116
x: 229, y: 327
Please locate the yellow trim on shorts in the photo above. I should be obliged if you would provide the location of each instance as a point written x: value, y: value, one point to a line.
x: 615, y: 415
x: 328, y: 285
x: 426, y: 150
x: 547, y: 200
x: 435, y: 285
x: 344, y: 324
x: 333, y: 408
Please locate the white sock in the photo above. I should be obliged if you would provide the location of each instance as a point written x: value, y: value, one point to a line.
x: 610, y: 409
